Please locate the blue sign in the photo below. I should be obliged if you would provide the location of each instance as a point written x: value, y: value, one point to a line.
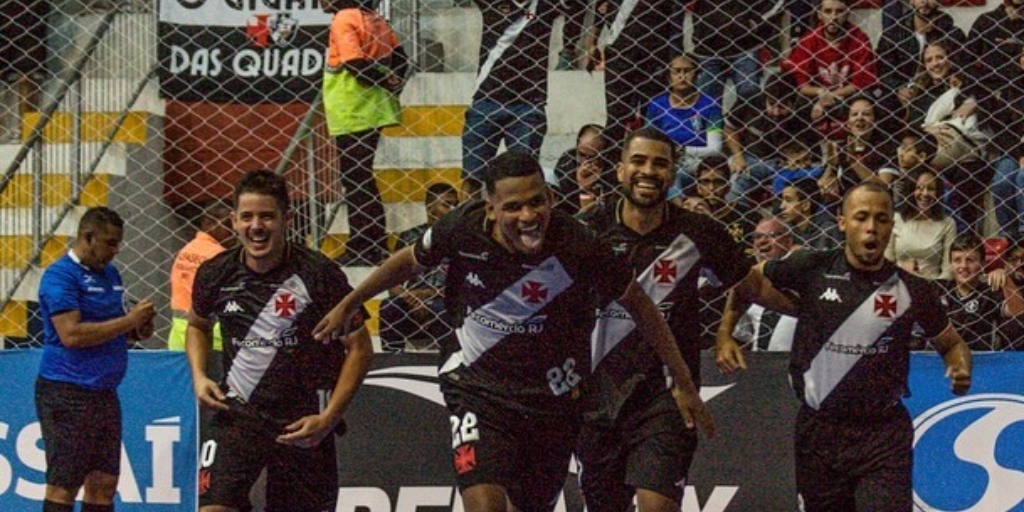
x: 158, y: 457
x: 969, y: 450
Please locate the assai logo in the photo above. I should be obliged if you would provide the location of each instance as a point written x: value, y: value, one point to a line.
x: 979, y: 441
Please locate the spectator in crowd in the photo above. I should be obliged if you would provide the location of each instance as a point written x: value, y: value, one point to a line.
x: 994, y: 43
x: 514, y: 263
x: 727, y: 35
x: 1010, y: 334
x: 901, y: 46
x: 937, y: 74
x: 86, y: 332
x: 363, y: 76
x: 976, y: 302
x: 580, y: 171
x: 690, y: 118
x: 753, y: 142
x: 851, y: 351
x: 797, y: 162
x: 637, y: 41
x: 865, y: 154
x: 22, y: 62
x: 1008, y: 141
x: 213, y: 234
x: 284, y: 394
x: 713, y: 188
x: 811, y: 226
x: 944, y: 101
x: 413, y: 313
x: 511, y: 84
x: 756, y: 328
x: 915, y: 150
x: 832, y: 62
x: 922, y: 233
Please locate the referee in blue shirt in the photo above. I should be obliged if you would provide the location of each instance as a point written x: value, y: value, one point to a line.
x: 85, y: 353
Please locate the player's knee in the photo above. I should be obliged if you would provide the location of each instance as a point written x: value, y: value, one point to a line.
x: 60, y: 495
x: 217, y: 508
x: 100, y: 487
x: 485, y: 498
x: 651, y: 501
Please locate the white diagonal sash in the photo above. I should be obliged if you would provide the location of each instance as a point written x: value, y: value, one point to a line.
x: 619, y: 23
x: 508, y: 313
x: 614, y: 323
x: 507, y: 39
x: 250, y: 363
x: 858, y: 332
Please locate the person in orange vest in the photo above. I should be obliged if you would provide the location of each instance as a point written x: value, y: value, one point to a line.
x: 363, y: 77
x: 213, y: 234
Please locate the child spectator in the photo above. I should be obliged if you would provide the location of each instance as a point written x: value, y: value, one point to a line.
x: 796, y: 162
x: 972, y: 299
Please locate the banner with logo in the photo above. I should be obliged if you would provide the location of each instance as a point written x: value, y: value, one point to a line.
x: 969, y: 451
x: 242, y: 51
x: 158, y: 457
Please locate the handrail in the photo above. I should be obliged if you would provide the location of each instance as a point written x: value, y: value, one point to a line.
x: 73, y: 75
x: 305, y: 126
x: 76, y: 195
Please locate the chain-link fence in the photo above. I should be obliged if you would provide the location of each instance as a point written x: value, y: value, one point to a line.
x: 155, y: 109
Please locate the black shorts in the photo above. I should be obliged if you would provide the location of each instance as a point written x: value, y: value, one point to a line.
x: 850, y: 466
x: 81, y: 431
x: 527, y: 455
x: 241, y: 442
x: 648, y: 447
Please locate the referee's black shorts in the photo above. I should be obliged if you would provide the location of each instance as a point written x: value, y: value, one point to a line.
x: 647, y: 447
x: 81, y: 431
x: 855, y: 465
x: 527, y: 455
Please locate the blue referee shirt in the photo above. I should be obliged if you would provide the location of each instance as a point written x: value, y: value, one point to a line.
x: 67, y: 285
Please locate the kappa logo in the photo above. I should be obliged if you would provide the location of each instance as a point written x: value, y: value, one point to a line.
x: 979, y: 438
x: 831, y: 295
x: 232, y: 307
x: 473, y: 279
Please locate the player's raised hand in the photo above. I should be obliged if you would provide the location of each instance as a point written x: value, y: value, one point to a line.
x: 336, y: 322
x: 695, y: 413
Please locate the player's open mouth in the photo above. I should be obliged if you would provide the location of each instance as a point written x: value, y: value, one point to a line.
x: 530, y: 236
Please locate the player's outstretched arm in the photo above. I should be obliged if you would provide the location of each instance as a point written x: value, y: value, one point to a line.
x: 198, y: 344
x: 957, y: 356
x: 309, y: 431
x: 728, y: 355
x: 397, y: 269
x: 657, y: 333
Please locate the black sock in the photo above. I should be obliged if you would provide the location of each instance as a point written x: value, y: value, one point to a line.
x: 92, y: 507
x: 53, y: 506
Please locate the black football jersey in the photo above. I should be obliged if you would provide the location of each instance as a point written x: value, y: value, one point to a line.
x: 522, y: 322
x: 851, y: 348
x: 975, y: 315
x: 667, y: 263
x: 270, y: 357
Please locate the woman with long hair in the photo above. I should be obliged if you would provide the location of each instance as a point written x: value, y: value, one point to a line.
x: 923, y: 233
